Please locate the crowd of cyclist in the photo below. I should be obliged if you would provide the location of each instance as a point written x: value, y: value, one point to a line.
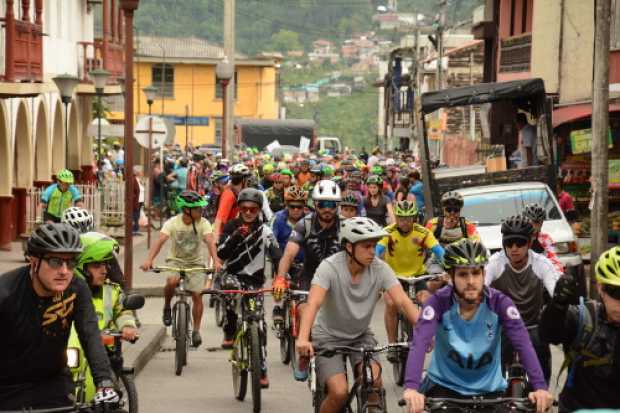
x: 345, y: 228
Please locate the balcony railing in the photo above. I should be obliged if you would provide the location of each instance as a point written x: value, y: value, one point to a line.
x: 516, y: 53
x: 23, y: 42
x: 95, y: 55
x: 401, y: 107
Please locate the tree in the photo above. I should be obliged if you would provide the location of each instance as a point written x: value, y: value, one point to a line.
x: 285, y: 40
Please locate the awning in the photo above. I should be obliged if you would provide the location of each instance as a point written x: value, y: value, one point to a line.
x: 572, y: 113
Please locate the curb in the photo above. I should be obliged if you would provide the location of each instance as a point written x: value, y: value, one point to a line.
x: 140, y: 353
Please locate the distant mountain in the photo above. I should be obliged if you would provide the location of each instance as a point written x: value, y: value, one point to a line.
x: 278, y: 25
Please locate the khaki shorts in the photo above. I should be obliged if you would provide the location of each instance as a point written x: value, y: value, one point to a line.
x: 327, y: 367
x: 194, y: 281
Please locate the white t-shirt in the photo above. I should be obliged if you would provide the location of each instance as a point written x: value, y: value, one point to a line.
x: 185, y: 248
x: 528, y: 139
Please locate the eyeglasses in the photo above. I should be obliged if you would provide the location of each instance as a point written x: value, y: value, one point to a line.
x: 295, y: 206
x: 249, y: 210
x: 519, y: 242
x: 452, y: 210
x: 326, y: 204
x: 56, y: 263
x: 612, y: 291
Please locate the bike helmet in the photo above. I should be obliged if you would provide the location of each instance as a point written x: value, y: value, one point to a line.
x: 326, y: 190
x: 250, y: 195
x: 376, y: 170
x: 374, y: 180
x: 358, y: 229
x: 97, y: 248
x: 295, y: 193
x: 517, y: 227
x: 465, y: 253
x: 315, y: 169
x: 452, y: 198
x: 608, y: 267
x: 53, y: 238
x: 190, y: 199
x: 350, y: 200
x: 268, y: 168
x: 287, y: 172
x: 327, y: 170
x: 65, y: 175
x: 535, y: 213
x: 218, y: 175
x: 406, y: 209
x: 240, y: 170
x: 78, y: 218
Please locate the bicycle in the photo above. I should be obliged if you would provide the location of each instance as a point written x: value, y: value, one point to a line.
x: 516, y: 377
x: 219, y: 304
x: 476, y: 404
x: 249, y: 351
x: 181, y: 314
x: 404, y: 328
x: 289, y: 329
x: 77, y: 408
x: 363, y: 387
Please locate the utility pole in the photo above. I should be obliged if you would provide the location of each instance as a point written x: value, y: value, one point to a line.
x: 229, y: 51
x: 440, y: 29
x: 600, y: 131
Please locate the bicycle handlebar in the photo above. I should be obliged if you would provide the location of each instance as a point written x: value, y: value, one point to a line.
x: 164, y: 268
x: 419, y: 279
x: 332, y: 351
x: 237, y: 292
x: 434, y: 403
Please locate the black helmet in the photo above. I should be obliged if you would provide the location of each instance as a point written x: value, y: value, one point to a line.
x: 465, y: 253
x: 535, y: 213
x: 54, y: 238
x: 452, y: 198
x: 517, y: 226
x: 250, y: 195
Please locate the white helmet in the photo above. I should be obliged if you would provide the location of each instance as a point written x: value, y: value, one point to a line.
x: 360, y: 229
x: 326, y: 190
x: 240, y: 169
x: 78, y: 218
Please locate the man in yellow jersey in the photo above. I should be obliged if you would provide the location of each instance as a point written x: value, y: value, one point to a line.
x: 404, y: 250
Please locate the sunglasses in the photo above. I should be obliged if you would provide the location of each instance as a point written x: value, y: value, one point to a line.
x: 295, y: 206
x: 326, y: 204
x: 612, y: 291
x: 56, y: 263
x: 452, y: 210
x: 249, y: 210
x: 519, y: 242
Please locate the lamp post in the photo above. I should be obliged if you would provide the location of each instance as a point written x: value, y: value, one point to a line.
x: 66, y: 85
x: 224, y: 72
x: 99, y: 78
x: 150, y: 92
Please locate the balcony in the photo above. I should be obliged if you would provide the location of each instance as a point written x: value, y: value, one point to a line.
x: 401, y: 107
x: 516, y: 54
x: 23, y: 43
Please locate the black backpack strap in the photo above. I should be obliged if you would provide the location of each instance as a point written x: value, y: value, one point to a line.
x: 439, y: 227
x: 463, y: 227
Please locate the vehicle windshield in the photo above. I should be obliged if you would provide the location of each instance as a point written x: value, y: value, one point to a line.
x: 491, y: 208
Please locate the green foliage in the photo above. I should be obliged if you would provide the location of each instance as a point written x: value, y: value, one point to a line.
x: 284, y: 41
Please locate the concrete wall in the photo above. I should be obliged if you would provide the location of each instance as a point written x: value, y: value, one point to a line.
x: 546, y: 43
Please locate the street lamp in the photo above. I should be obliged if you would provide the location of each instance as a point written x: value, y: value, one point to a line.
x: 99, y: 78
x: 224, y: 72
x: 66, y: 85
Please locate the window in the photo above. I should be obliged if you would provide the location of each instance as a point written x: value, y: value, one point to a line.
x: 163, y: 79
x: 218, y: 131
x: 218, y: 87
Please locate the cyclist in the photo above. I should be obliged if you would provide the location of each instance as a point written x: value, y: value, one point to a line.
x: 38, y: 304
x: 243, y: 247
x: 344, y: 293
x: 349, y: 206
x: 524, y: 276
x: 275, y: 194
x: 451, y: 226
x: 377, y: 205
x: 589, y: 332
x: 227, y: 209
x: 57, y: 197
x: 466, y: 320
x: 303, y: 175
x: 542, y: 243
x: 403, y: 249
x: 186, y: 229
x: 267, y: 180
x: 219, y: 180
x: 78, y: 218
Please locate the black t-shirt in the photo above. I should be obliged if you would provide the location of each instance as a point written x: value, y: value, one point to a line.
x: 36, y: 331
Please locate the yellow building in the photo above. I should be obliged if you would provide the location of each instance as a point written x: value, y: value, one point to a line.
x: 183, y: 69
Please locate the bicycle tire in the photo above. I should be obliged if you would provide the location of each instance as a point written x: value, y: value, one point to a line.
x: 255, y: 365
x: 219, y: 312
x: 286, y: 340
x: 239, y: 368
x: 517, y: 389
x: 317, y: 400
x: 398, y: 368
x: 362, y: 401
x: 131, y: 393
x: 180, y: 351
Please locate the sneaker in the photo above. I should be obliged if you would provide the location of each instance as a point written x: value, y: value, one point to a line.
x: 167, y: 318
x: 264, y: 381
x: 196, y: 339
x: 301, y: 372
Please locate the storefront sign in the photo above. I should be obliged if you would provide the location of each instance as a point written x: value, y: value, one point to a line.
x: 614, y: 173
x: 581, y: 141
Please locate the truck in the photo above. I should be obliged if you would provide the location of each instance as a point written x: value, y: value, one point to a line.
x: 258, y: 133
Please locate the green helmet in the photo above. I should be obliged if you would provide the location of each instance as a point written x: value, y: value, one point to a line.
x: 374, y: 180
x: 65, y: 175
x: 406, y: 209
x: 376, y: 170
x: 97, y: 248
x: 327, y: 170
x: 287, y: 172
x: 608, y: 267
x: 465, y: 253
x: 190, y: 199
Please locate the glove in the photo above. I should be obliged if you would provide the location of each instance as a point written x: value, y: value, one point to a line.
x: 279, y: 285
x: 106, y: 395
x: 565, y: 290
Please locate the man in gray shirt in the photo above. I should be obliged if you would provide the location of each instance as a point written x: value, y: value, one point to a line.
x: 344, y: 293
x: 528, y: 141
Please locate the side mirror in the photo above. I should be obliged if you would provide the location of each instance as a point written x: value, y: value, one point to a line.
x: 133, y: 302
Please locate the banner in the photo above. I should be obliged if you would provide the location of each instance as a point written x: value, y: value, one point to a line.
x: 581, y: 141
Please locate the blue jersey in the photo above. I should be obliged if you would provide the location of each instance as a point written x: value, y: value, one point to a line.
x: 467, y: 355
x: 282, y: 230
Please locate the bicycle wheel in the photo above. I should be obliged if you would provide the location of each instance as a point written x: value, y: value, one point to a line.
x: 130, y: 393
x: 218, y: 305
x: 286, y: 341
x: 239, y: 367
x: 398, y: 368
x: 317, y: 399
x: 180, y: 338
x: 362, y: 401
x: 517, y: 389
x: 255, y: 365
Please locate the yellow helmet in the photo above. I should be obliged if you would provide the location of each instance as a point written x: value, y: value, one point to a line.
x: 608, y: 267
